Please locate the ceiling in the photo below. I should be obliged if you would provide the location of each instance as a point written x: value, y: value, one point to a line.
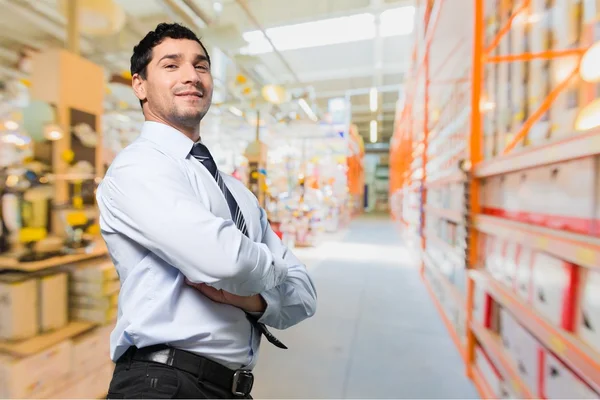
x: 317, y: 73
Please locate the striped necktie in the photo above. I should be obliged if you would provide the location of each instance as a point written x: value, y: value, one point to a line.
x: 200, y: 152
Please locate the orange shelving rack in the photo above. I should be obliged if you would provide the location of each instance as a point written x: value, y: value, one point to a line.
x: 495, y: 171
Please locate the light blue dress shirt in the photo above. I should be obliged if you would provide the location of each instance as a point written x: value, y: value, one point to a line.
x: 164, y: 218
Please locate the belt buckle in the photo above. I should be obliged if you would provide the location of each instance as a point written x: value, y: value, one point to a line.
x: 243, y: 380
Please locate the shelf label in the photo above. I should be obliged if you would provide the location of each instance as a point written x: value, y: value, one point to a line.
x: 585, y: 256
x: 541, y: 242
x: 558, y: 346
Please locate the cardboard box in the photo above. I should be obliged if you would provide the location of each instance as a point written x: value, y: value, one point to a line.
x: 35, y: 376
x: 554, y: 289
x: 559, y: 382
x: 94, y: 271
x: 94, y: 316
x: 91, y: 349
x: 510, y: 196
x: 18, y: 306
x: 95, y: 289
x: 93, y: 385
x: 53, y: 301
x: 98, y: 303
x: 496, y: 261
x: 588, y: 308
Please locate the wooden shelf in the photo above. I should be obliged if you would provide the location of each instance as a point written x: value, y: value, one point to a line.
x: 10, y: 263
x: 579, y: 249
x: 564, y: 149
x: 581, y: 358
x: 492, y: 345
x: 451, y: 215
x: 44, y: 341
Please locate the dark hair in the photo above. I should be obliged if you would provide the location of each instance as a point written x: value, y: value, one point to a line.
x: 142, y: 53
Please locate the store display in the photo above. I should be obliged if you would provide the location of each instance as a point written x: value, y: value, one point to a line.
x: 508, y: 195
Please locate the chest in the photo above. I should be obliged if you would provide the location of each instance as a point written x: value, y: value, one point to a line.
x: 210, y: 195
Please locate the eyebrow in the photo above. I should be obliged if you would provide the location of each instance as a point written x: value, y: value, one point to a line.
x: 178, y: 56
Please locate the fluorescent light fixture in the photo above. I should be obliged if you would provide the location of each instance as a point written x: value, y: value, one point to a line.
x: 351, y: 28
x: 218, y: 7
x: 307, y: 109
x: 373, y: 131
x: 588, y: 69
x: 11, y: 125
x: 236, y: 111
x: 373, y: 99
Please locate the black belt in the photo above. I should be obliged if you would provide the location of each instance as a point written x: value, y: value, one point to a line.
x: 240, y: 382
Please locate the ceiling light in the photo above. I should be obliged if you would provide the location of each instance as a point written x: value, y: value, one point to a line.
x: 373, y: 99
x: 588, y: 117
x: 307, y: 110
x: 11, y: 125
x: 589, y: 70
x: 331, y: 31
x: 373, y: 131
x: 236, y: 111
x: 53, y: 132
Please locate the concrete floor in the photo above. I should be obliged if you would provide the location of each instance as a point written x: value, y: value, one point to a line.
x: 376, y: 333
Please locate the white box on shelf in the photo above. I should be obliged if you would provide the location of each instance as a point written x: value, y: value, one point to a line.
x: 538, y: 91
x: 510, y: 265
x: 53, y: 294
x: 488, y: 371
x: 510, y: 196
x: 496, y: 261
x: 554, y: 282
x: 507, y: 330
x: 523, y: 278
x: 18, y: 306
x: 573, y: 195
x: 588, y: 308
x: 559, y: 382
x: 527, y: 352
x: 35, y: 376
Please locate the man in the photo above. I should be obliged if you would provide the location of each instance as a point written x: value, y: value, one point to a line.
x: 201, y: 271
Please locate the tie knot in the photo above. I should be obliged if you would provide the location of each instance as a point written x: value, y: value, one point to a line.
x: 200, y: 152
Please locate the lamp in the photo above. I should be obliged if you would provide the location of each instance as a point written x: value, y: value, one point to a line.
x: 588, y: 69
x: 588, y: 117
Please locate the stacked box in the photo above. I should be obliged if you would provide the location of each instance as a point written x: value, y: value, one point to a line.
x: 94, y: 292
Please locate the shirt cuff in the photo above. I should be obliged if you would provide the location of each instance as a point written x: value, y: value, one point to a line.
x: 273, y: 305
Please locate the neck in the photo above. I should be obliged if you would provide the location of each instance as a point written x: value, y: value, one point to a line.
x: 192, y: 132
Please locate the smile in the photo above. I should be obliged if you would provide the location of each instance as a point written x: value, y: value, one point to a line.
x: 191, y: 94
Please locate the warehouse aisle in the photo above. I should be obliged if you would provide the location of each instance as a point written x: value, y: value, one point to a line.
x: 376, y: 333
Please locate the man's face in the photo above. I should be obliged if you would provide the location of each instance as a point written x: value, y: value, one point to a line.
x: 178, y: 87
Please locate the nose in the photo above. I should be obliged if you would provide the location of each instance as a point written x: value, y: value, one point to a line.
x: 189, y: 75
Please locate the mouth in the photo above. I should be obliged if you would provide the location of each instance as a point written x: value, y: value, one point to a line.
x: 191, y: 93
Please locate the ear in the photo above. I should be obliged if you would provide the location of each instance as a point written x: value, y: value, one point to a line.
x: 139, y: 86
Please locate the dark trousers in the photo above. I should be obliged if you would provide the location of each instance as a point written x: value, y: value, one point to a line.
x: 148, y: 380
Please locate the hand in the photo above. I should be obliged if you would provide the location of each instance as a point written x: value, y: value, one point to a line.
x: 254, y: 303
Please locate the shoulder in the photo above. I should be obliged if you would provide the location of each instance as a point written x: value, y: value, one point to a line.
x: 140, y: 157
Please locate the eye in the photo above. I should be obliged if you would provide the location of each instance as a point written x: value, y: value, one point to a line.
x: 170, y: 66
x: 202, y: 67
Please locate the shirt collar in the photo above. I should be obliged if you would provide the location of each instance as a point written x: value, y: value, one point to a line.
x: 168, y: 138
